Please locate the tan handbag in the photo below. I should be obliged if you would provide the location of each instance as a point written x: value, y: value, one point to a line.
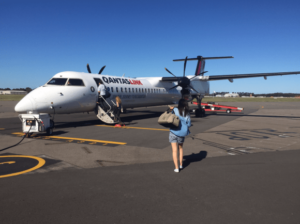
x: 168, y: 119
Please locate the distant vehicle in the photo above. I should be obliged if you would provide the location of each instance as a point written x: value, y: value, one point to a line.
x: 73, y: 92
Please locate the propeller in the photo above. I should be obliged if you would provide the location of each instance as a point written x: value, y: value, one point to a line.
x: 101, y: 70
x: 184, y: 82
x: 89, y: 70
x: 170, y: 72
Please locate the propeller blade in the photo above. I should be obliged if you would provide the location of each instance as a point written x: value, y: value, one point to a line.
x: 174, y: 87
x: 193, y: 89
x: 88, y: 68
x: 184, y: 66
x: 101, y: 70
x: 170, y: 72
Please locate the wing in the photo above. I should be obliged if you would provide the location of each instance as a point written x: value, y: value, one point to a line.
x: 240, y: 76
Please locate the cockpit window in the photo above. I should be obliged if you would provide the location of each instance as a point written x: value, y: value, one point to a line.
x: 75, y: 82
x: 57, y: 81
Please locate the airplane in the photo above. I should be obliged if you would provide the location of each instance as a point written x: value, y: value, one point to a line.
x: 73, y: 92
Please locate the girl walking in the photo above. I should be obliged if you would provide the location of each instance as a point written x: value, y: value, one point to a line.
x: 177, y: 135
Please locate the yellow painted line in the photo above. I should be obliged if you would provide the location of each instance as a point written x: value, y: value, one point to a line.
x: 9, y: 162
x: 1, y: 129
x: 122, y: 127
x: 39, y: 165
x: 79, y: 139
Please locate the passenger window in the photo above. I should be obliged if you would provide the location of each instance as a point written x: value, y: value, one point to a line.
x: 117, y: 89
x: 108, y: 89
x: 136, y: 90
x: 121, y: 89
x: 151, y: 90
x: 75, y: 82
x: 57, y: 81
x: 112, y: 89
x: 133, y: 90
x: 129, y: 90
x: 139, y: 90
x: 125, y: 90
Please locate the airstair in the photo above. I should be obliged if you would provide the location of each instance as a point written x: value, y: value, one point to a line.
x: 105, y: 112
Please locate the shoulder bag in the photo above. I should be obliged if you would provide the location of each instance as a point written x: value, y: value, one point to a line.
x: 168, y: 119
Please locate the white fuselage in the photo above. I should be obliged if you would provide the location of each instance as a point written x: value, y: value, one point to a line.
x: 138, y: 92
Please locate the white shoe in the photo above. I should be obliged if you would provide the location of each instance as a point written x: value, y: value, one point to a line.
x: 176, y: 170
x: 180, y: 167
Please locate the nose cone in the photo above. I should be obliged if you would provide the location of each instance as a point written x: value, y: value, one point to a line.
x: 24, y: 105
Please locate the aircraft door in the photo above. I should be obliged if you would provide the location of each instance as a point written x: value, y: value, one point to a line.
x: 97, y: 80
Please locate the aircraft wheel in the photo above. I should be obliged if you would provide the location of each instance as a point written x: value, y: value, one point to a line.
x: 199, y: 113
x: 228, y: 111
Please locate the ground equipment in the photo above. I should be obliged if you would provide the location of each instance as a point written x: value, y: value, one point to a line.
x: 212, y: 106
x: 34, y: 123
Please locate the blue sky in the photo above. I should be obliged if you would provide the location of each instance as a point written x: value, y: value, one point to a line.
x: 140, y: 38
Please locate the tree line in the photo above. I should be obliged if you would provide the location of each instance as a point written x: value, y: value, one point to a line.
x: 27, y: 89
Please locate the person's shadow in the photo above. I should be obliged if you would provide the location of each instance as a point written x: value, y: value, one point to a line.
x: 193, y: 158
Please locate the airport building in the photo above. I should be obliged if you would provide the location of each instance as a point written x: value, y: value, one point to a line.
x: 12, y: 92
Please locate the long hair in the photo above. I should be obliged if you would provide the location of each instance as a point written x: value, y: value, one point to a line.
x: 183, y: 107
x: 118, y: 99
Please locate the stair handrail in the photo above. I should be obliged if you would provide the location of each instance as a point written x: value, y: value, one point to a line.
x: 106, y: 103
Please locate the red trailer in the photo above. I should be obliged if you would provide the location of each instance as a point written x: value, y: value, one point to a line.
x: 212, y: 106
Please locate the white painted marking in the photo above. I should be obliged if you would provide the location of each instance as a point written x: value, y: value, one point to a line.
x: 232, y: 154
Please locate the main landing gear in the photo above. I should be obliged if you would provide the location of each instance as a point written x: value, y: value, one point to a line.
x: 200, y: 112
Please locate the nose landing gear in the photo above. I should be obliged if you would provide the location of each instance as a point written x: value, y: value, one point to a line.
x: 49, y: 130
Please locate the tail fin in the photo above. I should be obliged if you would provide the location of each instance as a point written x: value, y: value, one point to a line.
x: 201, y: 63
x: 200, y: 66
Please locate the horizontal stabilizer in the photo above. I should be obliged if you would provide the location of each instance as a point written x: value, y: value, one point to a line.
x: 240, y: 76
x: 202, y: 58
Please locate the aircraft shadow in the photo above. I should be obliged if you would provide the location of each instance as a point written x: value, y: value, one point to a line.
x: 151, y: 114
x: 132, y: 116
x: 193, y: 158
x: 76, y: 124
x: 249, y: 115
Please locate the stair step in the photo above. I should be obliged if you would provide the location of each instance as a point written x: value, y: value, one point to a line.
x: 103, y: 116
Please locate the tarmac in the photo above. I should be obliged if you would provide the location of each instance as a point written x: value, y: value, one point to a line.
x: 238, y: 167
